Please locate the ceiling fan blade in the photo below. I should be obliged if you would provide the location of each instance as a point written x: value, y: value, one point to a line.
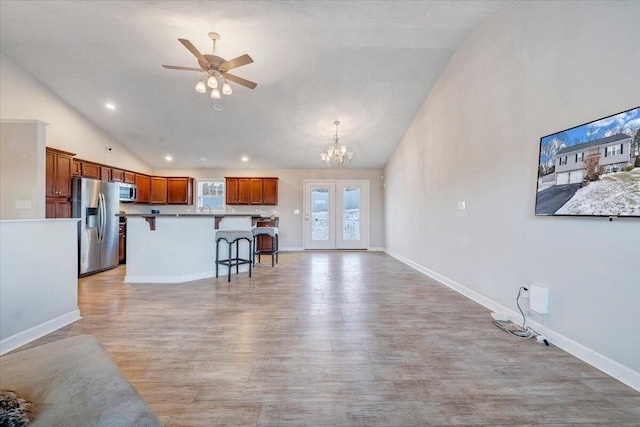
x: 201, y: 59
x: 239, y: 80
x: 235, y: 63
x: 175, y: 67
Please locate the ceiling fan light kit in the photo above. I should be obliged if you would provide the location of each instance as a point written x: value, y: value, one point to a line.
x: 217, y: 69
x: 336, y: 155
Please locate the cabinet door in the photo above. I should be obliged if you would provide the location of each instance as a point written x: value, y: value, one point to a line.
x: 158, y: 190
x: 105, y: 174
x: 50, y: 186
x: 231, y: 191
x: 121, y: 244
x: 57, y: 208
x: 255, y: 191
x: 64, y: 166
x: 179, y: 191
x: 77, y: 168
x: 270, y: 191
x: 117, y: 175
x: 244, y: 191
x: 143, y: 182
x: 90, y: 170
x: 129, y: 177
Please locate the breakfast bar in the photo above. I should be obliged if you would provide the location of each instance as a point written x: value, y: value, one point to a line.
x: 176, y: 248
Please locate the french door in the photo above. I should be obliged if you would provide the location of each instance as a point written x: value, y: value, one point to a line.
x: 336, y: 214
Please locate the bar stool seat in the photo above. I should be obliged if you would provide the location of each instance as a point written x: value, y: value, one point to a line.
x: 258, y: 234
x: 231, y: 237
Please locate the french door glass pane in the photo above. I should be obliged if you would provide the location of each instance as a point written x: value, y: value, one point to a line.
x: 320, y: 213
x: 351, y: 213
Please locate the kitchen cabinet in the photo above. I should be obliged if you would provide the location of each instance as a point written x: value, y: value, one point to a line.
x: 179, y: 191
x: 270, y: 191
x: 264, y: 242
x: 143, y: 182
x: 251, y: 191
x: 105, y: 174
x: 59, y: 166
x: 117, y: 175
x: 59, y: 172
x: 158, y: 191
x: 57, y: 208
x: 121, y: 244
x: 86, y: 169
x: 129, y: 177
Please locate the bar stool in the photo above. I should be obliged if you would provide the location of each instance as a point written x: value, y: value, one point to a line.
x: 258, y: 234
x: 231, y: 237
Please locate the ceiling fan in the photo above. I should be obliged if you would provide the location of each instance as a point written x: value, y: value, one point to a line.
x: 217, y: 69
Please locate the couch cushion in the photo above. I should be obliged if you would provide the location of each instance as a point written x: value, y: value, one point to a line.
x: 74, y: 382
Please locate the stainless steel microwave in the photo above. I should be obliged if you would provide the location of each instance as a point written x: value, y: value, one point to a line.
x: 127, y: 192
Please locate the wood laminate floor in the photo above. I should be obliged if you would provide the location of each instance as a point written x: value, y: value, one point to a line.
x: 335, y: 338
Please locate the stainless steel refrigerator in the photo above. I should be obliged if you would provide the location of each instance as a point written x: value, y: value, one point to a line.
x: 96, y: 203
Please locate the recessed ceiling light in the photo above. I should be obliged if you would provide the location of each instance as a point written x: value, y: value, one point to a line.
x: 217, y: 107
x: 168, y: 158
x: 204, y: 159
x: 110, y: 106
x: 245, y: 159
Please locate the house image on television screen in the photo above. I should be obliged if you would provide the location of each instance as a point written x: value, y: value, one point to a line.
x: 592, y: 169
x: 606, y: 155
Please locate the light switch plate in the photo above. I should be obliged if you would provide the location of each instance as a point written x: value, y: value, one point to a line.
x: 462, y: 205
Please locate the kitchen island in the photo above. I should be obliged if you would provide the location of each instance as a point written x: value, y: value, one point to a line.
x: 176, y: 248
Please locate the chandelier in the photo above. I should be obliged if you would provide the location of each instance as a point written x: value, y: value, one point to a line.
x: 336, y: 155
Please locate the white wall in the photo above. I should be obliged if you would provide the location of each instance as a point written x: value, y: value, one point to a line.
x: 22, y: 169
x: 537, y: 68
x: 290, y: 197
x: 23, y: 97
x: 38, y: 279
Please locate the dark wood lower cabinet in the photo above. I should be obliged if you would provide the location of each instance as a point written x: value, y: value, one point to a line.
x: 264, y: 241
x: 57, y: 208
x: 121, y: 244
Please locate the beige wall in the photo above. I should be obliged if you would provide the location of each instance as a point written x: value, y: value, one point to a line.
x: 535, y: 69
x: 22, y: 169
x: 290, y: 197
x: 23, y: 97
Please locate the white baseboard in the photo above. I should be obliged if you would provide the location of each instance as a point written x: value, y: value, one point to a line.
x: 25, y: 337
x: 376, y: 249
x: 291, y: 249
x: 599, y: 361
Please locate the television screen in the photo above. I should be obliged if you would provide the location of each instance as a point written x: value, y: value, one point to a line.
x: 592, y: 169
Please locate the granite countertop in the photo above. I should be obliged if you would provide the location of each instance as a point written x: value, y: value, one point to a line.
x: 175, y: 215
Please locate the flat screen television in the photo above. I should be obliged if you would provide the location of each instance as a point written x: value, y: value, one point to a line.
x: 592, y: 169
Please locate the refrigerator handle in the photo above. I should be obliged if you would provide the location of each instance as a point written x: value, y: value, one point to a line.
x: 104, y: 216
x: 99, y: 228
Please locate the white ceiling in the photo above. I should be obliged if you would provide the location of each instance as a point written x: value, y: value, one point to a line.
x: 368, y: 64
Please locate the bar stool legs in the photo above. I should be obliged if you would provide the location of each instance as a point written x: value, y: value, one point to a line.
x: 233, y: 237
x: 258, y: 234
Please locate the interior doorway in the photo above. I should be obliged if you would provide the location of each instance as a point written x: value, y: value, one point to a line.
x: 336, y: 214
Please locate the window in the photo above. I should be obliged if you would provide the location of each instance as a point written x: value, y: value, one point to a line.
x: 613, y: 150
x: 579, y: 157
x: 210, y: 195
x: 563, y: 160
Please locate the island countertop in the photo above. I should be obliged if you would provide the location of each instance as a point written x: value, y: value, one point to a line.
x: 217, y: 217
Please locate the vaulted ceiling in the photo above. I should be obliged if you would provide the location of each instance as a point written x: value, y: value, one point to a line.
x: 368, y: 64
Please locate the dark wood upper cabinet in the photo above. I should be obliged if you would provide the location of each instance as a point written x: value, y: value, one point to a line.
x: 270, y: 191
x: 89, y: 170
x: 143, y: 182
x: 105, y: 173
x: 251, y: 191
x: 158, y: 190
x: 129, y: 177
x: 179, y: 191
x: 59, y: 172
x: 59, y: 169
x: 117, y: 175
